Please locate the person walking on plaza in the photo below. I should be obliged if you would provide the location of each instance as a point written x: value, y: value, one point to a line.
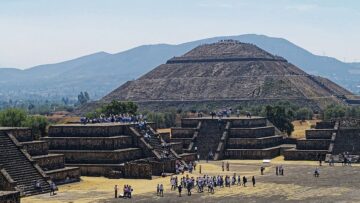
x: 244, y: 181
x: 253, y: 181
x: 53, y: 188
x: 116, y: 191
x: 161, y: 190
x: 180, y: 189
x: 262, y: 168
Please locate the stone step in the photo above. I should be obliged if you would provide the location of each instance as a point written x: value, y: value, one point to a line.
x: 266, y: 153
x: 64, y: 175
x: 89, y: 143
x: 296, y: 154
x: 100, y: 156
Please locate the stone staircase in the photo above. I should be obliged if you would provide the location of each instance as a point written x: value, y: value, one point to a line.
x: 220, y: 151
x: 21, y: 167
x: 209, y: 137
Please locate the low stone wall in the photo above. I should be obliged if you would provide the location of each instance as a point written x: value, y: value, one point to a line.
x: 9, y: 197
x: 313, y: 144
x: 252, y: 132
x: 189, y: 123
x: 98, y: 169
x: 178, y: 147
x: 36, y: 148
x: 51, y: 161
x: 89, y: 130
x: 248, y: 123
x: 167, y: 166
x: 254, y: 143
x: 21, y: 134
x: 188, y: 157
x: 100, y: 157
x: 182, y: 132
x: 325, y: 125
x: 252, y: 153
x: 319, y: 133
x: 66, y: 175
x: 89, y: 143
x: 138, y: 170
x: 311, y: 155
x: 185, y: 141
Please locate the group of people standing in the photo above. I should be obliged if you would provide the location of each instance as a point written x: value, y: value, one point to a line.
x: 127, y: 191
x: 205, y: 181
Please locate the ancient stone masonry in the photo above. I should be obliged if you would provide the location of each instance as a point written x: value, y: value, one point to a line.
x: 227, y: 74
x: 9, y: 197
x: 111, y: 150
x: 234, y: 138
x: 347, y: 139
x: 318, y: 143
x: 18, y: 171
x: 53, y: 165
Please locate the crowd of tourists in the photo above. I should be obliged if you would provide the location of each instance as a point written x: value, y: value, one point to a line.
x: 206, y: 182
x: 122, y: 118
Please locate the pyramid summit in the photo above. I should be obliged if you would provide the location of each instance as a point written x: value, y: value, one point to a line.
x: 225, y: 73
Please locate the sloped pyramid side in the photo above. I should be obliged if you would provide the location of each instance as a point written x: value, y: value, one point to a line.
x: 228, y: 71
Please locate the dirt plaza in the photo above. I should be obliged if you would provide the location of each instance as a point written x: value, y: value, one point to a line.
x: 335, y: 184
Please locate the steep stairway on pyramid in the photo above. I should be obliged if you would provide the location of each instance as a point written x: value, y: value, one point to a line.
x: 18, y: 166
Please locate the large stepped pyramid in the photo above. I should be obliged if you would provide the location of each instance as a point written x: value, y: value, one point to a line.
x: 228, y: 73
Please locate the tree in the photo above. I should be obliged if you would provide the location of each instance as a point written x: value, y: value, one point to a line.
x: 304, y: 114
x: 83, y: 98
x: 38, y: 124
x: 280, y: 118
x: 117, y: 107
x: 12, y: 117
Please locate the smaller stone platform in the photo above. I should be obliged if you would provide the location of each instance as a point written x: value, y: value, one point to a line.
x: 229, y: 137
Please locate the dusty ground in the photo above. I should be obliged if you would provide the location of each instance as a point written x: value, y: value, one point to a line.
x: 335, y: 184
x: 301, y: 127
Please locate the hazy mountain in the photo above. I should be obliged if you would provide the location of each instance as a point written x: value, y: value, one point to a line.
x: 101, y: 72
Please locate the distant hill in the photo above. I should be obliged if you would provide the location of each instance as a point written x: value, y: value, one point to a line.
x: 101, y: 72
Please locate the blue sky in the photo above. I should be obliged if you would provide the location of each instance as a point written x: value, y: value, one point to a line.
x: 34, y: 32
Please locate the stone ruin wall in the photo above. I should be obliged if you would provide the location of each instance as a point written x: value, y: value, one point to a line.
x: 51, y: 162
x: 252, y: 154
x: 77, y: 143
x: 319, y: 133
x: 234, y: 143
x: 36, y: 148
x: 73, y: 175
x: 102, y: 157
x: 319, y: 144
x: 251, y: 132
x: 86, y: 131
x: 9, y: 197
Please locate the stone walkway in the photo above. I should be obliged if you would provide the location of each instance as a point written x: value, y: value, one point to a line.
x: 335, y: 184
